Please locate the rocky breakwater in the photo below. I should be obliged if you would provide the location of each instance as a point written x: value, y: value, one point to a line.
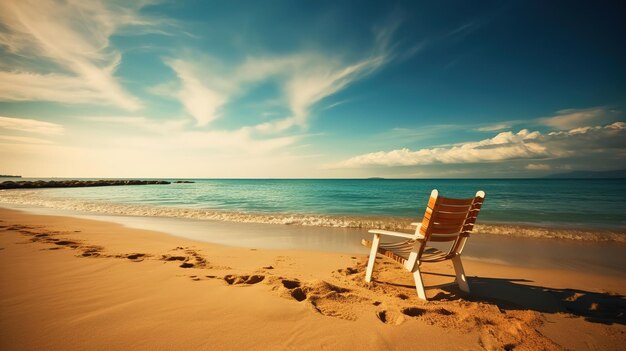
x: 74, y: 183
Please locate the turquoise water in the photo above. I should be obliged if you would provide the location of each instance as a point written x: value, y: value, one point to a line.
x: 569, y: 203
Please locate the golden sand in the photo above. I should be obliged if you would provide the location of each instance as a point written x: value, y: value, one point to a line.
x: 74, y: 284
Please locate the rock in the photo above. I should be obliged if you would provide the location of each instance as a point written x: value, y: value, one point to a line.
x: 75, y: 183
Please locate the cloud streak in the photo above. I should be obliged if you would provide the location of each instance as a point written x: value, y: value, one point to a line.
x: 572, y: 118
x: 506, y: 146
x: 201, y: 102
x: 304, y: 79
x: 30, y: 126
x: 73, y: 35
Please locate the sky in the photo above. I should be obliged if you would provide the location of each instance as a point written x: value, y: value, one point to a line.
x: 311, y: 89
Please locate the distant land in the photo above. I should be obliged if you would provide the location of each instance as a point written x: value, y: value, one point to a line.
x: 9, y: 176
x: 619, y: 173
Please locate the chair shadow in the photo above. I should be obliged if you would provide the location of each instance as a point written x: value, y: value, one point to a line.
x: 514, y: 294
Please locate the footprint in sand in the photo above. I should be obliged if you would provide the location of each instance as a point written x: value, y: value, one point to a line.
x: 135, y: 257
x: 290, y: 284
x: 172, y: 258
x: 298, y: 294
x: 91, y: 251
x: 233, y: 279
x: 413, y: 311
x: 390, y: 317
x: 325, y: 298
x: 294, y: 289
x: 72, y: 244
x: 402, y: 296
x: 192, y: 260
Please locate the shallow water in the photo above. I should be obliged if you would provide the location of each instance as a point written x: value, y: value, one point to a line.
x: 570, y: 208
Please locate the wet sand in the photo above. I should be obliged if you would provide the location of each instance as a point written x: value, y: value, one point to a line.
x: 69, y: 283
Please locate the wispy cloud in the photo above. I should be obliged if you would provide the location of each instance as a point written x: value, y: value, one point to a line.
x: 173, y: 134
x: 200, y: 101
x: 505, y: 146
x: 538, y: 167
x: 304, y: 79
x: 494, y: 127
x: 26, y: 86
x: 73, y: 35
x: 140, y: 122
x: 572, y: 118
x: 30, y: 125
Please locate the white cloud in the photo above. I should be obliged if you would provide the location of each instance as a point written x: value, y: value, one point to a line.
x: 73, y: 35
x: 202, y: 102
x: 30, y: 125
x: 25, y: 86
x: 572, y: 118
x: 315, y: 80
x: 304, y: 79
x: 538, y: 167
x: 507, y: 146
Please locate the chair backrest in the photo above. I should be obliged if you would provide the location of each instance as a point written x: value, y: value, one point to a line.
x: 447, y: 219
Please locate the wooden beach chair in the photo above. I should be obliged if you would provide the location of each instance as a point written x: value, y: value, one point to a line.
x: 445, y: 220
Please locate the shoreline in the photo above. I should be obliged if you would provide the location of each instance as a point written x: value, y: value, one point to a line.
x: 514, y: 250
x: 32, y: 200
x: 146, y: 289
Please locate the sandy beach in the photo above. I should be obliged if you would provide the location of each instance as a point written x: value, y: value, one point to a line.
x: 72, y: 284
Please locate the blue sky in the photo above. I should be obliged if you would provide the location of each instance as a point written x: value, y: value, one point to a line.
x: 311, y: 89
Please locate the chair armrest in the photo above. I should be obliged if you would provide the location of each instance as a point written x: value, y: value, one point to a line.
x: 390, y: 233
x: 418, y: 235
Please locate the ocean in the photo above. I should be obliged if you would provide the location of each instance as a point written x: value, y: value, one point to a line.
x: 587, y: 209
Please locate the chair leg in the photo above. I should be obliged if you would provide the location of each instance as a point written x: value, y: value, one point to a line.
x: 461, y: 279
x: 419, y: 283
x: 372, y: 259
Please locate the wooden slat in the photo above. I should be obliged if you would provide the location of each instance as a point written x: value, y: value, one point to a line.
x: 443, y: 237
x: 448, y: 222
x: 433, y: 255
x: 456, y: 202
x: 447, y: 215
x: 452, y: 208
x: 447, y: 219
x: 446, y: 229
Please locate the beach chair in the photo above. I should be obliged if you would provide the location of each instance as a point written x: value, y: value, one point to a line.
x: 445, y: 220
